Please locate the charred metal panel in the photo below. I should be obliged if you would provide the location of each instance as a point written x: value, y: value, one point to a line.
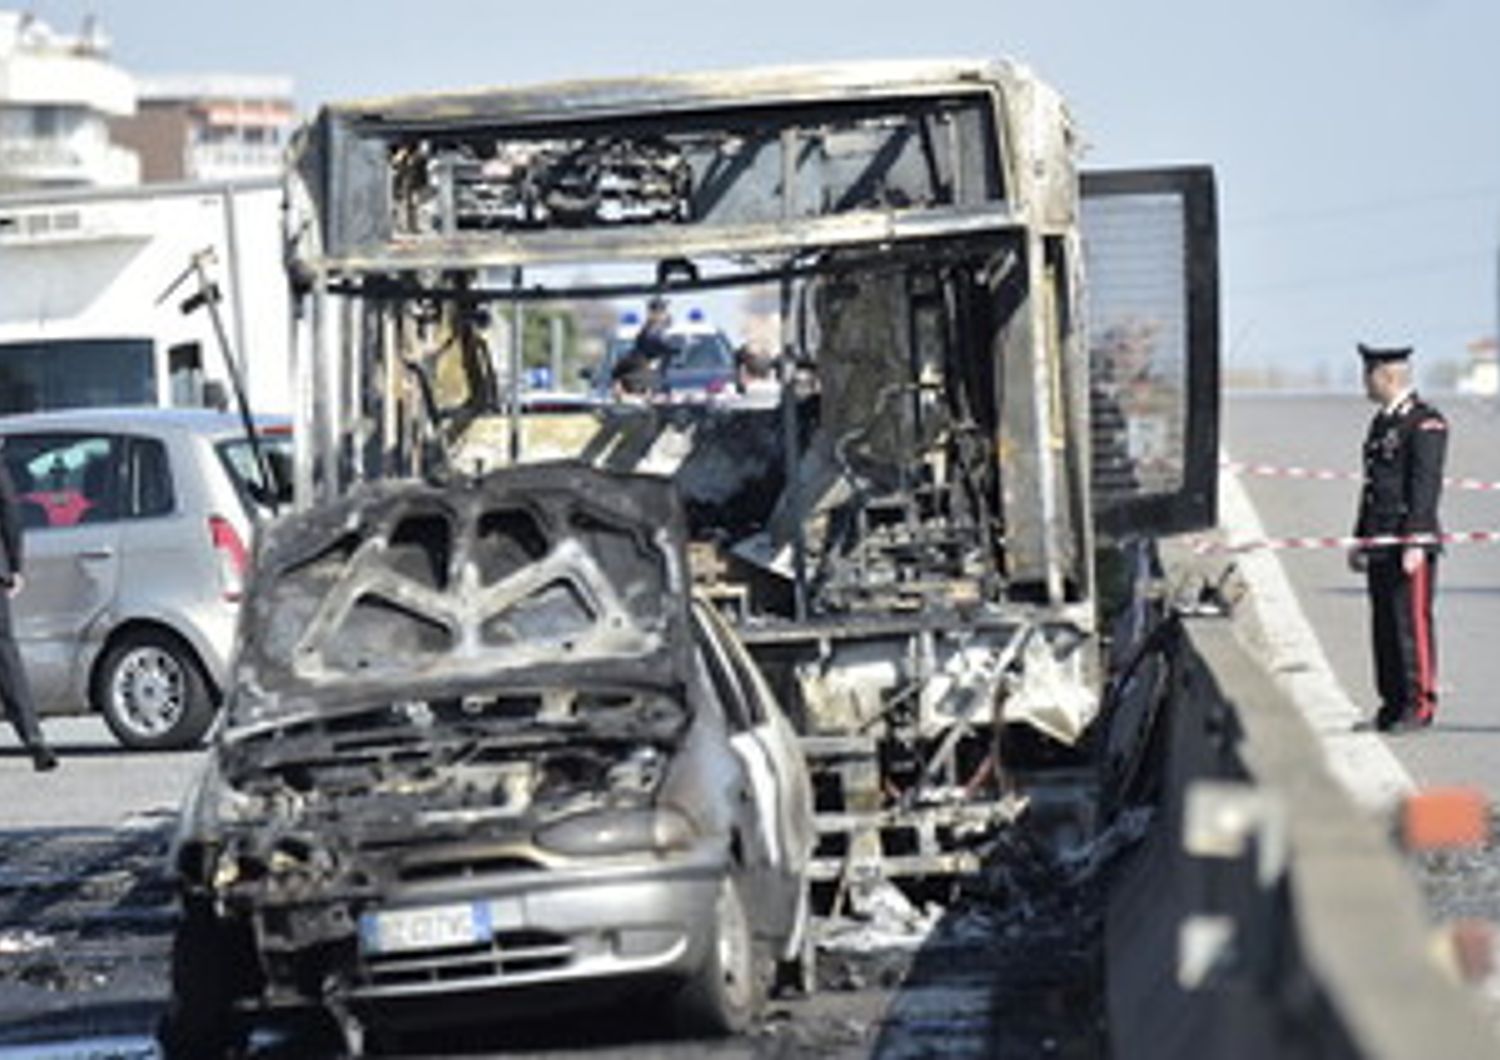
x: 1043, y: 146
x: 1021, y: 431
x: 611, y: 98
x: 454, y: 177
x: 723, y: 169
x: 864, y: 371
x: 337, y: 167
x: 1075, y: 536
x: 522, y: 571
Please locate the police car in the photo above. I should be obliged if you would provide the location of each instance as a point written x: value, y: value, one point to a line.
x: 701, y: 367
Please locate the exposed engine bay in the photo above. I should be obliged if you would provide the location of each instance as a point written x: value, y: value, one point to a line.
x: 318, y: 816
x: 448, y: 769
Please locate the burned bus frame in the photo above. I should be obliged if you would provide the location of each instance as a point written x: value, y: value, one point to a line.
x: 402, y: 213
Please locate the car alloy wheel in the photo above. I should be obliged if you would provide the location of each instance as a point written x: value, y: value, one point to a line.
x: 147, y: 690
x: 152, y: 692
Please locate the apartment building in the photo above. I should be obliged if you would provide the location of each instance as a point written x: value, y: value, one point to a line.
x: 208, y: 127
x: 58, y: 94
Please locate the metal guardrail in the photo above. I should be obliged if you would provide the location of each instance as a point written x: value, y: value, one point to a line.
x: 1268, y: 915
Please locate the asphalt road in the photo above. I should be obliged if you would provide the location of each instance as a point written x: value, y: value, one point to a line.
x: 1325, y: 432
x: 86, y: 919
x: 96, y: 786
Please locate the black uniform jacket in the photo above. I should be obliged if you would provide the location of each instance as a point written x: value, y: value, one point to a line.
x: 1403, y: 463
x: 654, y: 346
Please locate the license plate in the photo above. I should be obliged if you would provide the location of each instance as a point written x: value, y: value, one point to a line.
x: 430, y: 928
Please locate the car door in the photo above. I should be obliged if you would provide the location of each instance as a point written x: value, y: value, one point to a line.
x: 764, y: 859
x: 783, y: 750
x: 68, y: 486
x: 767, y: 744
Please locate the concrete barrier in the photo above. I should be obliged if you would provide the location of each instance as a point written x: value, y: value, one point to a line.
x: 1267, y: 916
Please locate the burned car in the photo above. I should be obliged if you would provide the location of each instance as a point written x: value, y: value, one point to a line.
x: 484, y: 744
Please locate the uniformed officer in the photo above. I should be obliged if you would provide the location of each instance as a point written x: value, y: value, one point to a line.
x: 1403, y: 480
x: 651, y: 341
x: 15, y: 691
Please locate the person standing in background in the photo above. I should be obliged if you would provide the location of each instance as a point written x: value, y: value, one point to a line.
x: 15, y: 690
x: 1404, y: 451
x: 651, y: 341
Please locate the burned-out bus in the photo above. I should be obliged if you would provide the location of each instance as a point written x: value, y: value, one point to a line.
x: 989, y: 372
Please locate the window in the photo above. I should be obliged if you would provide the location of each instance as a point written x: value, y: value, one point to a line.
x: 45, y: 121
x: 245, y: 472
x: 151, y: 479
x: 76, y: 373
x: 185, y: 374
x: 746, y: 679
x: 753, y: 701
x: 64, y: 480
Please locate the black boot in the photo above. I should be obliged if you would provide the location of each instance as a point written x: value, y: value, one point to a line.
x: 42, y: 758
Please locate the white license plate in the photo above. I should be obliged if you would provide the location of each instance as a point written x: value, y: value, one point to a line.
x: 431, y: 928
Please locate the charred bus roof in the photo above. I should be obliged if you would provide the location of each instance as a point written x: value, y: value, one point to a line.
x: 754, y: 161
x: 611, y: 97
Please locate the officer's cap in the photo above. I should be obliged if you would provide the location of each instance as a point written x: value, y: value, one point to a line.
x: 1374, y: 355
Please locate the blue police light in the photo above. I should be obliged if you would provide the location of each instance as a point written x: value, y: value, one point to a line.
x: 630, y: 317
x: 695, y: 315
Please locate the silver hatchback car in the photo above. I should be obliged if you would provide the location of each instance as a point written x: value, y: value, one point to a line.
x: 138, y: 527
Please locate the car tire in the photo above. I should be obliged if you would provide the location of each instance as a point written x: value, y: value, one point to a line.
x: 728, y: 992
x: 208, y: 971
x: 152, y: 691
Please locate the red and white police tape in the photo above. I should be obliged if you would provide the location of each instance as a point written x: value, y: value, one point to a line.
x: 1316, y: 474
x: 1461, y: 537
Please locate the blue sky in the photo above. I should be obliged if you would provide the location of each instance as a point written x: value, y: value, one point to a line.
x: 1357, y: 141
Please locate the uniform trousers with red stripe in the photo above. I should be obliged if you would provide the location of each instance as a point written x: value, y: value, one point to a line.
x: 1402, y: 632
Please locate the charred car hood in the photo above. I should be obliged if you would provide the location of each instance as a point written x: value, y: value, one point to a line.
x: 531, y: 575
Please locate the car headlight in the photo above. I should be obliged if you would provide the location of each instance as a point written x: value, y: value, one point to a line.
x: 618, y: 832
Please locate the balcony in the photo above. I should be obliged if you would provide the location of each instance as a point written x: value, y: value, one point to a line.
x: 230, y: 161
x: 38, y: 162
x: 54, y: 79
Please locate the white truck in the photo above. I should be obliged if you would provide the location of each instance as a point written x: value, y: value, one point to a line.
x: 100, y: 303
